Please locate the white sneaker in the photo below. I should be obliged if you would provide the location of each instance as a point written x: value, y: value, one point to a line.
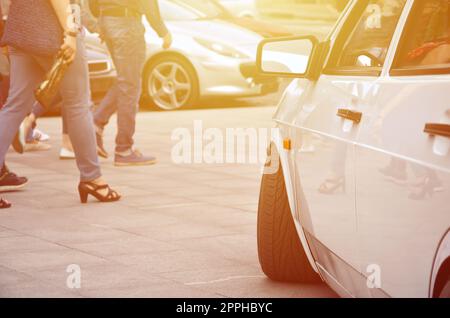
x: 66, y: 154
x: 39, y: 135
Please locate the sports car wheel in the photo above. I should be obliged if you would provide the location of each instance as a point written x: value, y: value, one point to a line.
x: 171, y: 83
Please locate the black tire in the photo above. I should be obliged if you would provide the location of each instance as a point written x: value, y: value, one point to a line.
x: 188, y: 73
x: 281, y: 253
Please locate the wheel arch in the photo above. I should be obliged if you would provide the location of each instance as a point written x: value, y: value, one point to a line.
x: 277, y: 142
x: 441, y: 266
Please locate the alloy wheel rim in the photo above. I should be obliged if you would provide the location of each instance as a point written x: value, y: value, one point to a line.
x: 169, y: 85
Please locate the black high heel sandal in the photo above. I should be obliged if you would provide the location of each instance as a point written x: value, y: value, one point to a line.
x: 88, y: 188
x: 4, y: 204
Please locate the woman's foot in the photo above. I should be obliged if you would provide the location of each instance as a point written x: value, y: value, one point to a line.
x: 36, y: 145
x: 99, y: 189
x: 40, y: 135
x: 18, y: 142
x: 4, y: 204
x: 66, y: 152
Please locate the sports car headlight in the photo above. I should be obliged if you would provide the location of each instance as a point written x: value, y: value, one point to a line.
x: 221, y: 49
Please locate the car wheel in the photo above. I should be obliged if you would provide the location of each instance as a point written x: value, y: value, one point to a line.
x: 281, y: 253
x: 170, y: 83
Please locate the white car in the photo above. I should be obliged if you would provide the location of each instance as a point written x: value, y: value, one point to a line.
x: 356, y: 191
x: 209, y: 57
x: 241, y: 8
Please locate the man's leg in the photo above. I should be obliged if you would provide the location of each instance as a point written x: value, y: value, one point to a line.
x: 107, y: 108
x: 126, y: 42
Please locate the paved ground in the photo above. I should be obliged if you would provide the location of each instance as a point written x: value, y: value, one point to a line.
x: 181, y: 230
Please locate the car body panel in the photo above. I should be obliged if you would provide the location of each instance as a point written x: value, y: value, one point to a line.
x: 375, y: 223
x: 241, y: 8
x: 400, y: 226
x: 207, y: 63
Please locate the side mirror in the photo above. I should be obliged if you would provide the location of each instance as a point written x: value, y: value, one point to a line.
x: 289, y: 57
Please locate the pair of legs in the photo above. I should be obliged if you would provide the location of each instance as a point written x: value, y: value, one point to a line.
x: 125, y: 39
x: 27, y: 71
x: 29, y: 126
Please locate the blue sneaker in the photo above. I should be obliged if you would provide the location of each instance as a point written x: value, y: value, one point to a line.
x: 134, y: 158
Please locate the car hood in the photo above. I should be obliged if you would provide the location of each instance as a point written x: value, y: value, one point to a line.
x: 215, y: 30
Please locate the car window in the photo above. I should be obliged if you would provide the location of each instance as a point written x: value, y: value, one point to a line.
x: 364, y: 44
x: 425, y: 44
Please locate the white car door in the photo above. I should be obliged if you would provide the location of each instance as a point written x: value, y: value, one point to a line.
x: 403, y: 159
x: 326, y: 126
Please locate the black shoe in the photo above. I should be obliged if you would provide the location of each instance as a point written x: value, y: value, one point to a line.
x: 10, y: 181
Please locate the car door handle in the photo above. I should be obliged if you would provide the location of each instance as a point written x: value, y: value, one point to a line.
x: 442, y: 130
x: 350, y: 115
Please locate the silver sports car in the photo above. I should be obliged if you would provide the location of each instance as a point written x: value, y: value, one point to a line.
x: 209, y: 57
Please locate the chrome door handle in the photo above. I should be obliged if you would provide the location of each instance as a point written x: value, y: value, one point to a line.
x: 442, y: 130
x: 350, y: 115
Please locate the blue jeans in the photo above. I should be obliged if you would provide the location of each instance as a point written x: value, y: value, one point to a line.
x: 27, y: 71
x: 125, y: 38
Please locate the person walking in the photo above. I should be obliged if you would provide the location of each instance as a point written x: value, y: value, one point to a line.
x: 34, y: 139
x: 32, y: 51
x: 9, y: 181
x: 120, y: 24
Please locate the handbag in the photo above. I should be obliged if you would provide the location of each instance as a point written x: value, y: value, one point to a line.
x: 33, y: 27
x: 46, y: 93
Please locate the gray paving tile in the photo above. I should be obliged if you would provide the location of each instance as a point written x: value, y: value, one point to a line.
x: 180, y: 231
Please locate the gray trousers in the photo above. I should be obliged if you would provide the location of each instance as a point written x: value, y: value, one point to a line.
x: 27, y: 71
x: 126, y: 43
